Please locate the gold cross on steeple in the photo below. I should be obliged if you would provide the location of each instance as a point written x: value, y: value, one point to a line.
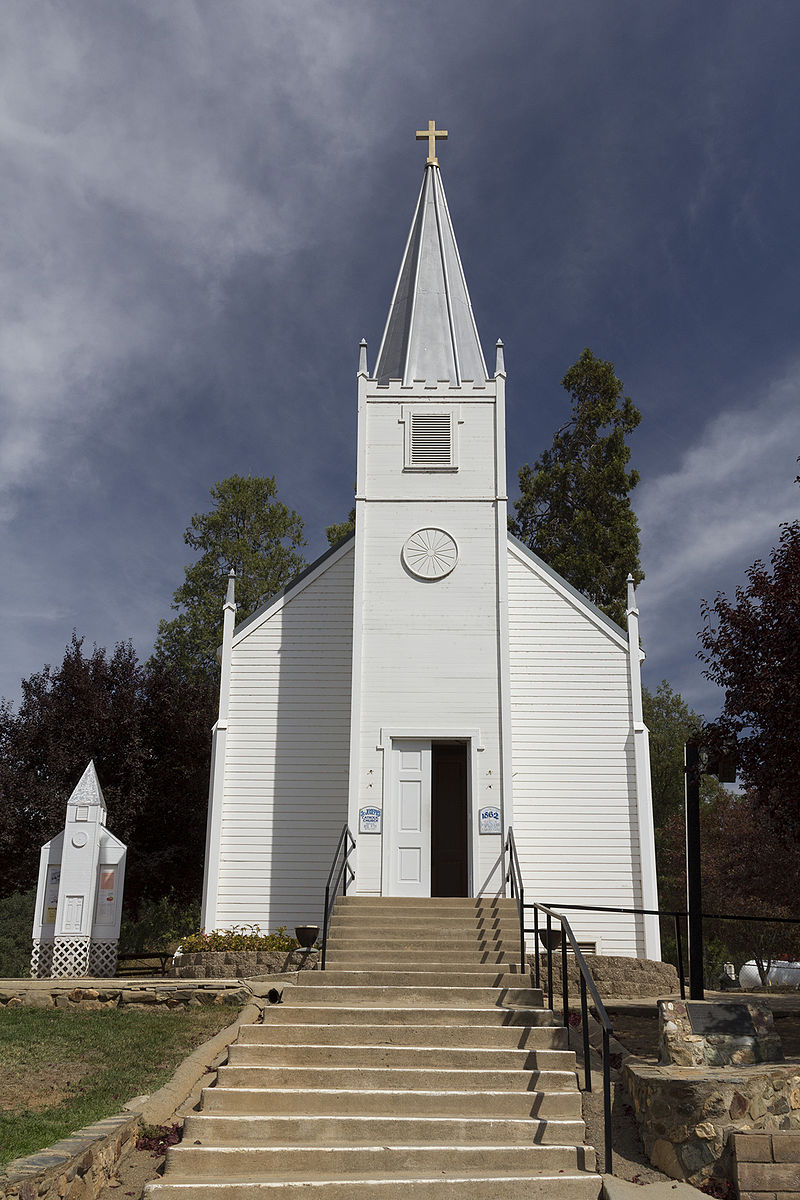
x: 431, y: 134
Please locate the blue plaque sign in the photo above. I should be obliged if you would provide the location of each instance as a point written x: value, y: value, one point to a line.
x: 489, y: 820
x: 369, y: 820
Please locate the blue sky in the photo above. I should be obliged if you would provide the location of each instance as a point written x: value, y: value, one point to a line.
x: 204, y: 208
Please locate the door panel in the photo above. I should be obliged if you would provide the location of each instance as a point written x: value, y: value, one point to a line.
x: 410, y: 820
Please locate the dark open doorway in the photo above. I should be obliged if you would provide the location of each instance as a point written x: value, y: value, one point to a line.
x: 449, y: 820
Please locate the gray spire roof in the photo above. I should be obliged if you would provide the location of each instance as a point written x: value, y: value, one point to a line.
x: 430, y: 333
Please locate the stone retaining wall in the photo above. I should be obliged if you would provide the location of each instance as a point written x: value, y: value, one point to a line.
x: 686, y: 1114
x: 244, y: 964
x: 77, y: 1168
x: 615, y: 976
x: 93, y: 995
x: 766, y: 1166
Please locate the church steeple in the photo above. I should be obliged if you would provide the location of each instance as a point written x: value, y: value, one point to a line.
x: 430, y: 333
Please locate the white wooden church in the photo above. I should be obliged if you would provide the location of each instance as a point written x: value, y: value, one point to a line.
x: 429, y: 680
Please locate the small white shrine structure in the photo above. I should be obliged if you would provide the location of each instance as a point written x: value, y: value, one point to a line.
x: 79, y: 896
x: 430, y: 681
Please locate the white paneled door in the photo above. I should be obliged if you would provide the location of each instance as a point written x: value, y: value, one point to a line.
x: 410, y: 819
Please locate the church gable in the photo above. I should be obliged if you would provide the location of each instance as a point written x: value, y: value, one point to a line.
x: 520, y: 553
x: 326, y: 562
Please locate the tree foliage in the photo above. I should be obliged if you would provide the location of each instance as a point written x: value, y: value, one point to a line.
x: 671, y: 723
x: 751, y: 646
x: 574, y: 507
x: 749, y: 868
x: 336, y: 532
x: 147, y: 729
x: 248, y: 529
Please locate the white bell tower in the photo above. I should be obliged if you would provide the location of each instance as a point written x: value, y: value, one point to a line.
x: 430, y: 777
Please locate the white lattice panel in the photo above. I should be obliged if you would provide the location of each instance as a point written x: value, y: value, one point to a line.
x: 102, y: 958
x: 70, y: 958
x: 41, y: 960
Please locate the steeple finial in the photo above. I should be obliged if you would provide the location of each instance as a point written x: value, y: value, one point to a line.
x: 362, y: 357
x: 430, y: 135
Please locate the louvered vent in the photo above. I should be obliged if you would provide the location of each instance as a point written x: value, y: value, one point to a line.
x: 431, y: 440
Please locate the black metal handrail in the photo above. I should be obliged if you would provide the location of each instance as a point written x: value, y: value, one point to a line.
x: 586, y: 982
x: 344, y: 874
x: 676, y: 914
x: 513, y: 877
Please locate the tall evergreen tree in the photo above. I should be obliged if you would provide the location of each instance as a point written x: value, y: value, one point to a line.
x: 574, y: 507
x: 248, y: 529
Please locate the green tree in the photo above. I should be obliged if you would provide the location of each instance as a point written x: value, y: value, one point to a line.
x: 335, y: 533
x: 671, y: 723
x: 574, y: 507
x: 247, y: 529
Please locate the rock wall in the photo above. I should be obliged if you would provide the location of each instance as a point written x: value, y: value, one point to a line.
x: 52, y: 993
x: 686, y: 1114
x: 614, y: 976
x: 242, y: 964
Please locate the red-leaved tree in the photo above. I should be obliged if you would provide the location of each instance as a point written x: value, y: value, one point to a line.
x: 751, y: 647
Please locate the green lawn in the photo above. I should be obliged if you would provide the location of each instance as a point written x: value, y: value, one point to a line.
x: 63, y: 1070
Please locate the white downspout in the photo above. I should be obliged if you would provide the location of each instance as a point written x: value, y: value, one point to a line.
x: 644, y: 797
x: 216, y: 786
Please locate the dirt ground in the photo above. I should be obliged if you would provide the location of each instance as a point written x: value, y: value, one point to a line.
x: 41, y: 1087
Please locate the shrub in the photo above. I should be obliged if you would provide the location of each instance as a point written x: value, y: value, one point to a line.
x: 158, y: 925
x: 16, y: 925
x: 240, y: 937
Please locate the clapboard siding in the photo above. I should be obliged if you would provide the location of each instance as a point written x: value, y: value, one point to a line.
x: 286, y: 766
x: 574, y: 773
x: 430, y: 653
x: 386, y: 430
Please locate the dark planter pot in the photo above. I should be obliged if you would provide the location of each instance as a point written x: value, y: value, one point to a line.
x: 306, y: 935
x: 552, y: 940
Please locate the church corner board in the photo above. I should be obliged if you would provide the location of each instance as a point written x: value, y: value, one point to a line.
x: 429, y: 680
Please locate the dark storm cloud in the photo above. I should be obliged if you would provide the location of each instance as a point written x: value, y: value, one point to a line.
x: 204, y: 210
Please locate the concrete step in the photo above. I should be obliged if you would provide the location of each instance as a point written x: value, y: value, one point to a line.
x: 211, y: 1129
x: 432, y: 926
x: 326, y: 1162
x: 429, y: 1079
x: 458, y: 1035
x: 422, y: 1065
x: 335, y: 1102
x: 426, y: 995
x: 426, y: 903
x: 563, y: 1186
x: 421, y: 1010
x: 441, y: 1058
x: 478, y: 977
x: 468, y: 942
x: 399, y: 960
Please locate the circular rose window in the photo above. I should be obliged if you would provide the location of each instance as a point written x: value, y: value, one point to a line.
x: 430, y: 553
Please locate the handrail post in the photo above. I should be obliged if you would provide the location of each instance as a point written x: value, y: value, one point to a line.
x: 564, y: 982
x: 607, y: 1101
x: 587, y: 1065
x: 549, y: 963
x: 679, y: 945
x: 536, y: 946
x: 325, y: 928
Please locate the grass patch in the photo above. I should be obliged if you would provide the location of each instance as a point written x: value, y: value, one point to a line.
x: 64, y: 1070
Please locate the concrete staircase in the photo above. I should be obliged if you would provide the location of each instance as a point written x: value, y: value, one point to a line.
x: 420, y: 1064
